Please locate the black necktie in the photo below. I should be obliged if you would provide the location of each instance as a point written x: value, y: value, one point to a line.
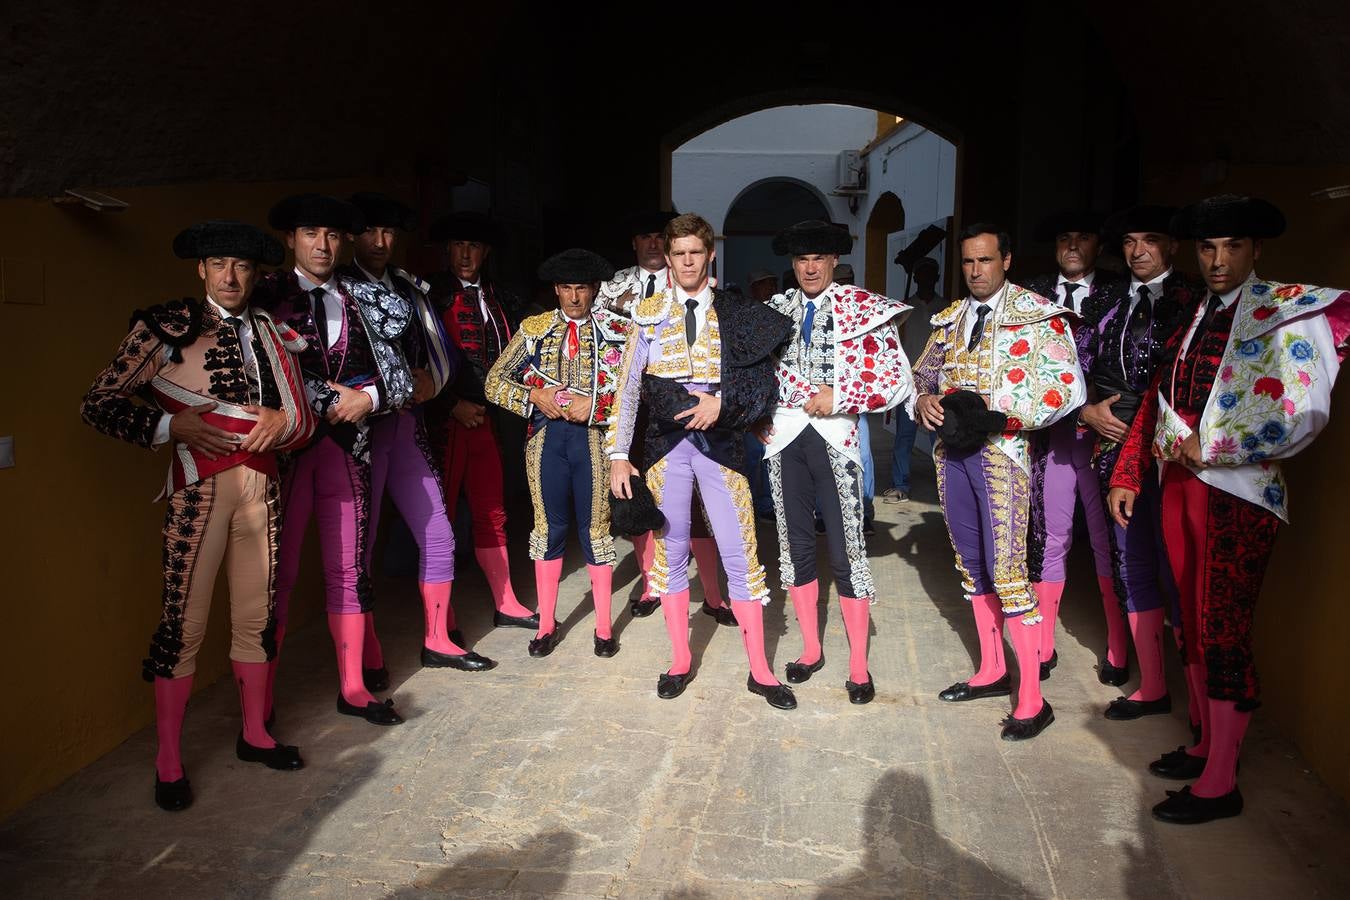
x: 981, y: 313
x: 1142, y: 315
x: 320, y: 316
x: 1069, y: 288
x: 236, y: 323
x: 690, y: 321
x: 651, y: 285
x: 1206, y: 320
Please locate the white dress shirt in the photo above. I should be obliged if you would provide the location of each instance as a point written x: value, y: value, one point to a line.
x: 332, y: 314
x: 969, y: 314
x: 1155, y: 290
x: 662, y: 278
x: 245, y: 332
x: 1080, y: 293
x: 704, y: 298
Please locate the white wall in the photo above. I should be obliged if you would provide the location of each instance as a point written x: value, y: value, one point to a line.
x: 802, y: 143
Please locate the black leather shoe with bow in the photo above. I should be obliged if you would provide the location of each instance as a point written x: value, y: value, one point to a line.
x: 1178, y: 765
x: 376, y: 679
x: 1121, y: 709
x: 1026, y: 729
x: 797, y: 672
x: 500, y: 620
x: 779, y: 696
x: 543, y: 646
x: 643, y: 608
x: 605, y: 647
x: 1112, y: 675
x: 722, y: 614
x: 964, y: 690
x: 173, y: 796
x: 374, y: 712
x: 465, y: 662
x: 860, y: 693
x: 1184, y: 808
x: 282, y: 757
x: 1049, y: 665
x: 668, y: 686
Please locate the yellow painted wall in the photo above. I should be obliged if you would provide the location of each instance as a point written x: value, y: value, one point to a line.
x: 1301, y: 625
x: 79, y: 547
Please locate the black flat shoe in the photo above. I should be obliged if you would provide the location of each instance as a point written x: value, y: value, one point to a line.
x: 173, y: 796
x: 374, y: 712
x: 457, y: 638
x: 722, y: 614
x: 1112, y: 675
x: 465, y: 662
x: 1121, y: 709
x: 504, y: 621
x: 605, y: 647
x: 543, y: 646
x: 1026, y: 729
x: 668, y: 686
x: 861, y: 693
x: 964, y: 690
x: 1184, y: 808
x: 797, y: 672
x: 376, y: 679
x: 282, y: 757
x: 1048, y: 666
x: 1178, y: 765
x: 643, y: 608
x: 779, y: 696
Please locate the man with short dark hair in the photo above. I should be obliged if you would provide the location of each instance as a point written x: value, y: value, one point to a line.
x: 219, y: 379
x: 1246, y: 384
x: 353, y: 368
x: 1013, y: 350
x: 703, y: 359
x: 560, y: 373
x: 761, y: 285
x: 401, y: 458
x: 842, y: 362
x: 475, y: 321
x: 1061, y: 470
x: 1128, y: 346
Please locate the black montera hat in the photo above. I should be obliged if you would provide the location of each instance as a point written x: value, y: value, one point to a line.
x: 383, y: 211
x: 812, y: 236
x: 1080, y: 220
x: 467, y: 226
x: 1145, y: 219
x: 315, y: 211
x: 575, y: 266
x: 222, y: 237
x: 1229, y: 215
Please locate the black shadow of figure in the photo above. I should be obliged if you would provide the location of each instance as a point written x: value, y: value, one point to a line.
x: 539, y: 866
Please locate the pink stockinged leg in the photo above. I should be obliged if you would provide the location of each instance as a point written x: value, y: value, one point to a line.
x: 1026, y: 641
x: 675, y: 609
x: 272, y: 672
x: 602, y: 592
x: 805, y: 599
x: 1117, y: 637
x: 989, y: 624
x: 493, y: 562
x: 1048, y: 594
x: 436, y: 618
x: 547, y: 573
x: 372, y: 654
x: 171, y: 699
x: 1197, y: 683
x: 856, y: 615
x: 750, y: 616
x: 1228, y: 727
x: 705, y: 554
x: 1147, y: 629
x: 349, y: 631
x: 645, y: 550
x: 251, y: 680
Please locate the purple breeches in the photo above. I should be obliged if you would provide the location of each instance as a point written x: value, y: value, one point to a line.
x: 328, y: 483
x: 399, y: 464
x: 730, y: 510
x: 1068, y: 475
x: 1143, y: 573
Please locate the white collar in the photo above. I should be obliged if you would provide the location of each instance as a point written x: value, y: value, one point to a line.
x: 704, y: 297
x: 1136, y: 284
x: 567, y: 318
x: 820, y: 299
x: 225, y: 313
x: 1085, y: 281
x: 386, y: 278
x: 1230, y: 298
x: 330, y: 285
x: 992, y: 301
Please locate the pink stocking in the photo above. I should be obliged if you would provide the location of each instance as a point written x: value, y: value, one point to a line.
x: 1027, y: 642
x: 705, y: 554
x: 1117, y: 647
x: 675, y: 609
x: 645, y: 550
x: 493, y: 562
x: 989, y: 624
x: 272, y: 672
x: 1147, y: 629
x: 1229, y: 727
x: 171, y: 699
x: 436, y: 618
x: 1197, y: 683
x: 547, y: 573
x: 349, y: 630
x: 251, y: 680
x: 804, y: 604
x: 372, y: 654
x: 750, y: 616
x: 1048, y: 594
x: 602, y: 590
x: 855, y: 623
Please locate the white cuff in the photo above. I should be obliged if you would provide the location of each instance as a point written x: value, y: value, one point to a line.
x: 374, y: 394
x: 162, y: 430
x: 622, y: 456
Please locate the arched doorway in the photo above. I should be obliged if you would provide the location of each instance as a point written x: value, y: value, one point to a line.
x: 888, y: 216
x: 761, y: 211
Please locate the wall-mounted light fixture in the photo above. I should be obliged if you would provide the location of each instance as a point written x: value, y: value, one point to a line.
x: 1340, y: 192
x: 90, y: 200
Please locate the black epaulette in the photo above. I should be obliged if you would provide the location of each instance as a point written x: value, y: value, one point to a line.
x: 177, y: 323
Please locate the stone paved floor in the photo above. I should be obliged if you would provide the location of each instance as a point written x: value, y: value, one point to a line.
x: 567, y: 776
